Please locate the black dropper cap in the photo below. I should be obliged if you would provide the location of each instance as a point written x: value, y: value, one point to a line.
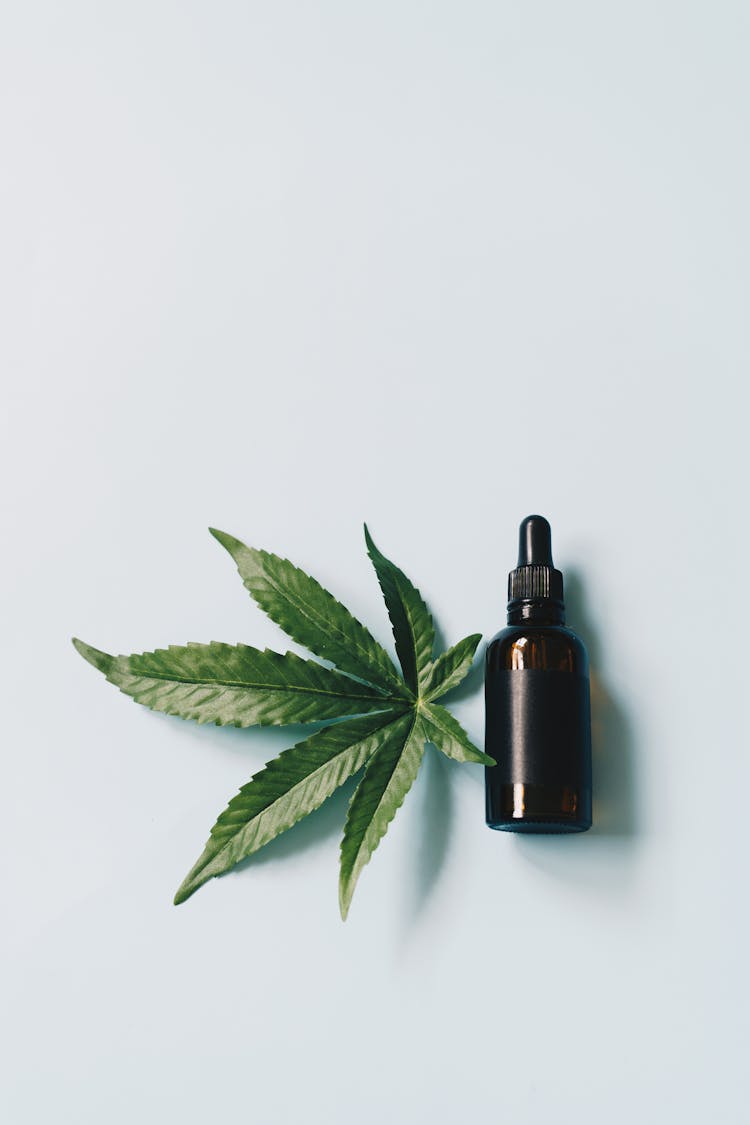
x: 535, y: 579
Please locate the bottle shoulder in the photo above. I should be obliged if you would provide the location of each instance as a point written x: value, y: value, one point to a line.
x: 539, y: 647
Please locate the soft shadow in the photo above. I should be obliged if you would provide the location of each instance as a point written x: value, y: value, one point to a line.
x: 435, y: 827
x: 440, y: 642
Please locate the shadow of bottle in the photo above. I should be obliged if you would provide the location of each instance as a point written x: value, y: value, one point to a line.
x: 615, y: 807
x: 601, y: 859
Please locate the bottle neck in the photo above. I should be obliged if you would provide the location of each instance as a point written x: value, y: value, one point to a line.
x: 538, y: 612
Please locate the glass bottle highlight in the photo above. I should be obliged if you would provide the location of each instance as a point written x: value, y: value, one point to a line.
x: 538, y: 718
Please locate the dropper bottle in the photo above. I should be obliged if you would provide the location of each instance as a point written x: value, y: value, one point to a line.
x: 538, y: 722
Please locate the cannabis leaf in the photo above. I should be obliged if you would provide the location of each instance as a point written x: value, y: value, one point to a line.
x: 383, y: 720
x: 234, y: 685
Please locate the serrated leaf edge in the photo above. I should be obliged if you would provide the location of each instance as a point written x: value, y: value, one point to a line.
x: 208, y: 857
x: 451, y: 679
x: 348, y: 883
x: 432, y: 716
x: 386, y: 568
x: 391, y: 678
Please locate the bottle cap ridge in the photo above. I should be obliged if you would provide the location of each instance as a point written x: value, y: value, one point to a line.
x: 535, y: 577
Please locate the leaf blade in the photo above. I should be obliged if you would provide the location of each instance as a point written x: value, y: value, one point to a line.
x: 386, y: 781
x: 413, y: 629
x: 235, y: 685
x: 310, y: 614
x: 451, y: 667
x: 445, y: 731
x: 289, y: 787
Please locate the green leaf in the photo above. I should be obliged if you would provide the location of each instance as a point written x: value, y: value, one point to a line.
x: 413, y: 630
x: 310, y: 615
x: 450, y: 668
x: 242, y: 686
x: 235, y: 685
x: 386, y: 781
x: 448, y: 735
x: 287, y: 789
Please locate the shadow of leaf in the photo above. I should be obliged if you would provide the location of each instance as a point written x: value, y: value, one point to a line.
x: 436, y: 828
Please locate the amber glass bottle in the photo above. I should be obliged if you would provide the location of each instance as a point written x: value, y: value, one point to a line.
x: 538, y: 724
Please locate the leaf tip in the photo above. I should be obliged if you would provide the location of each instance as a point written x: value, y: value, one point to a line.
x: 184, y: 891
x: 239, y: 551
x: 222, y: 537
x: 345, y: 901
x: 100, y: 660
x: 478, y: 757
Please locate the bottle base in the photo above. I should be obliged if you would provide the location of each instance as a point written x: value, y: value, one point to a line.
x: 538, y: 827
x: 537, y: 808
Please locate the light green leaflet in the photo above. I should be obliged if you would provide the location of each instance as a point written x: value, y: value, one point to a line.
x: 384, y: 719
x: 234, y: 685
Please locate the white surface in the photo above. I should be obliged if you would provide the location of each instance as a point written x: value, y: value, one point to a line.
x: 280, y: 268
